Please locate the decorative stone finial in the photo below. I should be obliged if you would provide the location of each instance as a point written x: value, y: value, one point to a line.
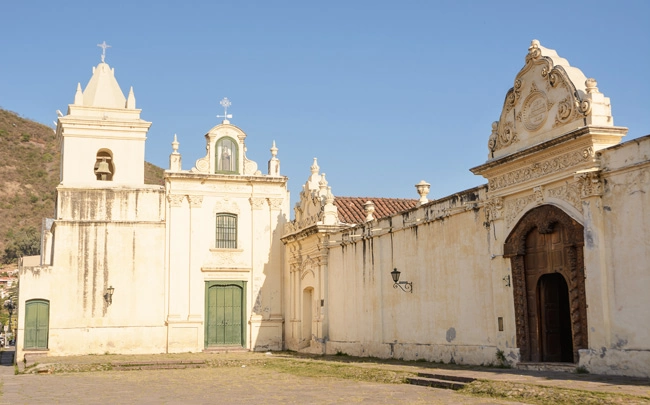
x: 175, y: 164
x: 103, y: 45
x: 330, y: 212
x: 591, y: 84
x: 314, y: 167
x: 274, y: 150
x: 533, y: 50
x: 369, y: 208
x: 423, y: 189
x: 79, y: 96
x: 130, y: 101
x: 322, y: 184
x: 274, y: 162
x: 329, y: 197
x: 175, y: 144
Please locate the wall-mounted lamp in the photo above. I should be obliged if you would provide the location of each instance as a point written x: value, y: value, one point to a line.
x: 109, y: 295
x: 507, y: 280
x: 404, y: 285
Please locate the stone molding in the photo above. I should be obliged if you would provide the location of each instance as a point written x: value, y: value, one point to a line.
x: 196, y: 201
x: 230, y: 258
x: 225, y: 205
x: 591, y: 184
x: 257, y: 203
x: 541, y: 168
x: 275, y: 203
x: 175, y: 200
x: 569, y: 192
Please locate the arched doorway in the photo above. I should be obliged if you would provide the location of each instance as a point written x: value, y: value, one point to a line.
x: 307, y: 302
x: 545, y: 251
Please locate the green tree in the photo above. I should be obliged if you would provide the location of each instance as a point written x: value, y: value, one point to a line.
x: 24, y: 242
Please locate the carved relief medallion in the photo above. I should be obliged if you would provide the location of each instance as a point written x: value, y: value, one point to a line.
x: 535, y: 110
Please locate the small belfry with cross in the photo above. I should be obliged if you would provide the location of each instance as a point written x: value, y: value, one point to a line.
x: 103, y: 45
x: 225, y: 103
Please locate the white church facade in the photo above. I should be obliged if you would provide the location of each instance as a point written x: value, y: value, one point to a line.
x: 546, y: 263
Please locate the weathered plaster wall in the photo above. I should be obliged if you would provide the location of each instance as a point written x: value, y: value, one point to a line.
x: 91, y: 254
x: 620, y: 344
x: 443, y: 249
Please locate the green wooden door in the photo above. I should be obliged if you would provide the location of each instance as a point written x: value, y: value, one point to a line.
x: 37, y: 323
x: 224, y: 315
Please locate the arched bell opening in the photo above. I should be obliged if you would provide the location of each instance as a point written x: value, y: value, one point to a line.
x: 104, y: 166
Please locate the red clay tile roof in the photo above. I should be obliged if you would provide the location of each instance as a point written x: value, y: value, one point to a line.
x: 351, y: 210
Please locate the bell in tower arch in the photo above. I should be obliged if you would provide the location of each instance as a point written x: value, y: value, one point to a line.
x: 103, y: 169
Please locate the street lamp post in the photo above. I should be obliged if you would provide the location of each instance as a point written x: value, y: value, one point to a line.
x: 9, y: 306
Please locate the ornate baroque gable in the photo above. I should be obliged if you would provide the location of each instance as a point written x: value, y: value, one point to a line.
x: 316, y: 205
x: 549, y: 98
x: 209, y: 164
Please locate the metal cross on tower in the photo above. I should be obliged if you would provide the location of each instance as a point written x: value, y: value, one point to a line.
x: 103, y: 45
x: 225, y: 103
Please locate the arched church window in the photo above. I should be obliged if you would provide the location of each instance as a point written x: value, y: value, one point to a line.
x: 226, y: 231
x: 104, y: 168
x: 227, y: 153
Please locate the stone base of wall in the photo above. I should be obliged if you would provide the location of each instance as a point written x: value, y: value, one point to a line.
x: 266, y: 334
x: 106, y: 340
x: 458, y: 354
x: 634, y: 363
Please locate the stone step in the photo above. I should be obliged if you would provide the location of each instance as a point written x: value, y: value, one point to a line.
x: 435, y: 383
x: 446, y: 377
x: 563, y: 367
x: 226, y: 349
x: 157, y: 365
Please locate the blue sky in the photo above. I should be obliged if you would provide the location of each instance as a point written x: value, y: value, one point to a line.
x: 385, y: 94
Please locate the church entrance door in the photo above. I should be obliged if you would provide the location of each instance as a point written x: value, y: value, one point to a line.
x: 545, y: 251
x: 225, y: 314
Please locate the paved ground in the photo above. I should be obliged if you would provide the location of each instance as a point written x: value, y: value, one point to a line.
x: 239, y: 385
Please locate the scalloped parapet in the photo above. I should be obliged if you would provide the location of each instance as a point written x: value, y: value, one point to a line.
x: 549, y: 98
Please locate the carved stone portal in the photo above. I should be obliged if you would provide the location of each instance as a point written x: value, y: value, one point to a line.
x: 550, y: 325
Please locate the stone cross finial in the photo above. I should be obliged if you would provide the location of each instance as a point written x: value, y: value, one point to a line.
x: 103, y: 45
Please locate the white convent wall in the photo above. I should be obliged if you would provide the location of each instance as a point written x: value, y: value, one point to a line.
x: 620, y: 344
x: 450, y: 316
